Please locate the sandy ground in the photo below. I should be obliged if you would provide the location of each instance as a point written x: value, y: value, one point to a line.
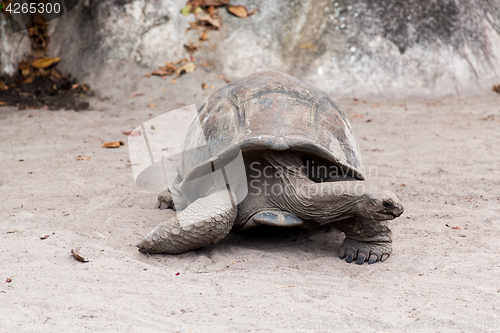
x: 441, y: 156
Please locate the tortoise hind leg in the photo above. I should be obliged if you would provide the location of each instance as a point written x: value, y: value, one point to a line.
x: 205, y: 221
x: 365, y: 240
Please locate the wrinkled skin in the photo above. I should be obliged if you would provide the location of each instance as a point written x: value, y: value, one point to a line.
x: 358, y: 209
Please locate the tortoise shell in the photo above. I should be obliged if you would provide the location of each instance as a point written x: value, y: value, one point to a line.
x: 270, y: 110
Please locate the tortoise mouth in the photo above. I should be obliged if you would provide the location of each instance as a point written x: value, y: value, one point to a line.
x: 391, y: 214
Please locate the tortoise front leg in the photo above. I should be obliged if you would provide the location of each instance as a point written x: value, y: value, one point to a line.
x: 366, y: 240
x: 205, y: 221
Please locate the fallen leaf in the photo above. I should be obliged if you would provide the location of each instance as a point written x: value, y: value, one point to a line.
x: 132, y: 133
x: 27, y: 81
x: 191, y: 47
x: 188, y: 67
x: 114, y: 144
x: 213, y: 22
x: 136, y: 95
x: 496, y: 88
x: 45, y: 62
x: 239, y: 11
x: 307, y: 46
x: 45, y: 237
x: 161, y: 73
x: 3, y: 85
x: 204, y: 86
x: 186, y: 10
x: 8, y: 280
x: 168, y: 69
x: 82, y: 158
x: 214, y: 3
x: 24, y: 67
x: 204, y: 36
x: 77, y: 255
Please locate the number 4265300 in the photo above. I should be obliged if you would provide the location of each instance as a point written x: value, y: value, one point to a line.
x: 33, y: 8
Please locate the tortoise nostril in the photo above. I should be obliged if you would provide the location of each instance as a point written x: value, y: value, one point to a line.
x: 388, y: 205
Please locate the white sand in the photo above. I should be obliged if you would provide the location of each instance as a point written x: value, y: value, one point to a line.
x: 446, y: 152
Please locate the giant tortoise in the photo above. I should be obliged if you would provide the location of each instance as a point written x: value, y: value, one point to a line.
x: 303, y: 168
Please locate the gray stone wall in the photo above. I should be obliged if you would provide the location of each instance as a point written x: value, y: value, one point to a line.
x: 13, y: 47
x: 390, y: 48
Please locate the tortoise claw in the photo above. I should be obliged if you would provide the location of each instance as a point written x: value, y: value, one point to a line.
x: 364, y: 251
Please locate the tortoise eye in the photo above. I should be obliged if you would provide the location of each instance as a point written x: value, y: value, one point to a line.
x: 388, y: 204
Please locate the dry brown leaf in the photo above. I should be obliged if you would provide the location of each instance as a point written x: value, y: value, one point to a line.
x: 82, y: 158
x: 496, y: 88
x: 169, y: 66
x: 77, y: 255
x: 191, y: 47
x: 45, y: 62
x: 3, y: 85
x: 307, y: 46
x: 206, y: 4
x: 213, y: 22
x: 240, y: 11
x: 28, y: 80
x: 24, y: 67
x: 188, y: 67
x: 114, y: 144
x: 204, y: 36
x: 161, y: 73
x: 214, y: 3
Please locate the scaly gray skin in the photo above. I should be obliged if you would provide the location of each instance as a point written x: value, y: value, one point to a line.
x: 353, y: 207
x: 206, y: 221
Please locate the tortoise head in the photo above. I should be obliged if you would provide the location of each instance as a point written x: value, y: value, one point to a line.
x: 380, y: 205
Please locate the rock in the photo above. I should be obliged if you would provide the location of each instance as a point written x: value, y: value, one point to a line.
x: 364, y: 47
